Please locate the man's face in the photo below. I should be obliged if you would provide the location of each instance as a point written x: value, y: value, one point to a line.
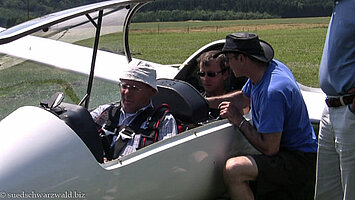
x: 233, y: 63
x: 135, y: 95
x: 212, y: 78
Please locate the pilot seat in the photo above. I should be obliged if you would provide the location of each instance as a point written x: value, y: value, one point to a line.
x: 186, y: 104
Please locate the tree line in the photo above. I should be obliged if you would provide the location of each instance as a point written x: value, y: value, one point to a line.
x: 282, y: 8
x: 205, y: 15
x: 233, y: 9
x: 15, y: 11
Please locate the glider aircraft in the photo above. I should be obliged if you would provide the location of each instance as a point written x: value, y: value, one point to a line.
x: 52, y: 146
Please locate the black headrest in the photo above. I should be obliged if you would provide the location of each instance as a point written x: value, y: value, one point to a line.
x: 79, y: 119
x: 186, y: 103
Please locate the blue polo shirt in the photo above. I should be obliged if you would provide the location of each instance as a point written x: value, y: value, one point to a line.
x: 337, y: 69
x: 278, y: 106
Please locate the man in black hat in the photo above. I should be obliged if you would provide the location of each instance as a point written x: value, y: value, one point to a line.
x: 280, y: 128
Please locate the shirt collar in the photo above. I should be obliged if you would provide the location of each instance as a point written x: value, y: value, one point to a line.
x: 127, y: 115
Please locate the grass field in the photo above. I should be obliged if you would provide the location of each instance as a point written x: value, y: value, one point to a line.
x: 297, y: 42
x: 236, y: 25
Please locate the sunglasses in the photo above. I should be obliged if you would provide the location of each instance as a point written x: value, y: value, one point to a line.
x: 209, y: 74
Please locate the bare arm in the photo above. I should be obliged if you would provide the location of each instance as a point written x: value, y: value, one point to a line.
x: 237, y: 97
x: 268, y: 144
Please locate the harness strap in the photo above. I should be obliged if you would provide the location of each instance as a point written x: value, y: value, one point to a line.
x: 109, y: 119
x: 132, y: 129
x: 154, y: 123
x: 113, y: 117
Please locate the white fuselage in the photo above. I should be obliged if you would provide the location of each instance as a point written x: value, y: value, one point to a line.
x: 42, y: 154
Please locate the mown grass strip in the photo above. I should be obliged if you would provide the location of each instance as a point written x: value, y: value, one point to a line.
x: 65, y: 85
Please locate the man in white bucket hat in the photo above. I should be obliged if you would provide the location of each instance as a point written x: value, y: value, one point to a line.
x: 133, y: 123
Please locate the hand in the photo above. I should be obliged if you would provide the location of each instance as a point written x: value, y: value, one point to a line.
x: 231, y: 112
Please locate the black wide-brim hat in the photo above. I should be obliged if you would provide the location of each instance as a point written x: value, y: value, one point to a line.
x: 249, y: 44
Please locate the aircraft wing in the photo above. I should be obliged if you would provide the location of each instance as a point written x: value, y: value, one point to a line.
x: 70, y: 40
x: 75, y: 58
x: 315, y: 102
x: 59, y: 30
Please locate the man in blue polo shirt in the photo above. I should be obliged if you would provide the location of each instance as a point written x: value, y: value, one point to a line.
x: 336, y: 153
x: 281, y: 128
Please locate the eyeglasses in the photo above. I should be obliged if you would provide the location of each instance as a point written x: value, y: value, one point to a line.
x: 209, y: 74
x: 126, y: 86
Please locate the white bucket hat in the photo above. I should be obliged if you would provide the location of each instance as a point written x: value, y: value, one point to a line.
x: 142, y: 72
